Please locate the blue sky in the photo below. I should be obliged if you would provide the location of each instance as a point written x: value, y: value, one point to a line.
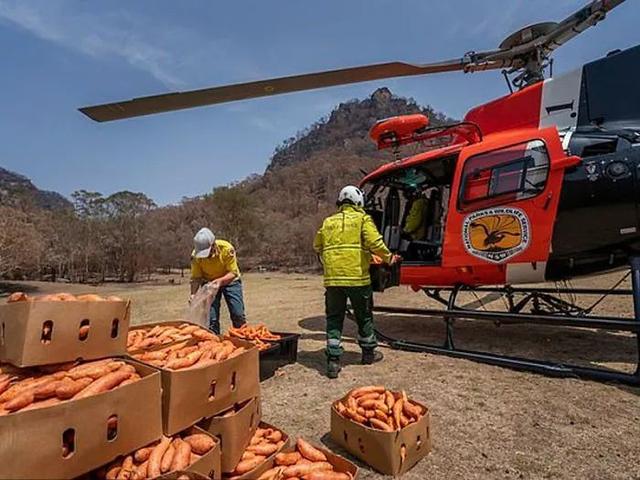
x: 59, y: 55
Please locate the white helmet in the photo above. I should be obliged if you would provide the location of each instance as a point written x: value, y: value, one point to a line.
x: 351, y: 194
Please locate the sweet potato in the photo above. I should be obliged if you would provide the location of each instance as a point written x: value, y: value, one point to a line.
x: 246, y: 466
x: 104, y: 384
x: 182, y: 456
x: 389, y: 400
x: 90, y: 297
x: 126, y: 471
x: 202, y: 334
x: 397, y: 413
x: 184, y: 362
x: 167, y: 458
x: 142, y: 454
x: 17, y: 297
x: 368, y: 396
x: 68, y: 388
x: 309, y: 451
x: 155, y: 459
x: 140, y: 471
x: 264, y: 449
x: 364, y: 390
x: 42, y: 404
x: 304, y: 469
x: 200, y: 443
x: 112, y: 472
x: 287, y: 459
x: 355, y: 416
x: 379, y: 424
x: 328, y: 475
x: 275, y: 436
x: 272, y: 474
x: 23, y: 400
x: 411, y: 410
x: 113, y: 298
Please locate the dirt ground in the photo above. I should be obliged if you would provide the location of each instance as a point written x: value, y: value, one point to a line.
x: 487, y: 422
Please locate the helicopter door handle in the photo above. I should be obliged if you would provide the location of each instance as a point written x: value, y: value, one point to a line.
x: 547, y: 201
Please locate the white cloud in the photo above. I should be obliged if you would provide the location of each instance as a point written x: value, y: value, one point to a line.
x: 104, y: 36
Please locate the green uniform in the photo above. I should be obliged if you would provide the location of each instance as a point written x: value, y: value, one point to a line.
x: 345, y: 242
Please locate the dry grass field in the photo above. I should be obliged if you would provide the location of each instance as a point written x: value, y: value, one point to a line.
x: 487, y: 422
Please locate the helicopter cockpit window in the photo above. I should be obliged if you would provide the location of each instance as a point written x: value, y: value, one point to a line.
x: 509, y: 174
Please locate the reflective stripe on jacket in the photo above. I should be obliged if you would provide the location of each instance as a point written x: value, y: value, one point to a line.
x: 345, y: 242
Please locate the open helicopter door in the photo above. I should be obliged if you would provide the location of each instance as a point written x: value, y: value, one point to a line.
x: 384, y: 276
x: 503, y: 205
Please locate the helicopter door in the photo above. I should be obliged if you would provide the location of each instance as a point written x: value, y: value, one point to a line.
x: 504, y: 200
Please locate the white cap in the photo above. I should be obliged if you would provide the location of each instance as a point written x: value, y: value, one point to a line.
x: 203, y: 241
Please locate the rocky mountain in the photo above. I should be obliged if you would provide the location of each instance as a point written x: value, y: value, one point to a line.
x: 347, y: 127
x: 16, y: 190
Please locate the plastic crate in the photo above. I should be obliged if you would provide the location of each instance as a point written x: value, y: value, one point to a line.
x: 282, y: 352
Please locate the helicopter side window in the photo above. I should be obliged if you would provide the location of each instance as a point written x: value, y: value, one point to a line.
x: 509, y: 174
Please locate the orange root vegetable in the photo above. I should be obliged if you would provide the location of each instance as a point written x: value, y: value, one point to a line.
x: 272, y: 474
x: 340, y: 407
x: 112, y: 473
x: 304, y: 469
x: 184, y: 362
x: 379, y: 424
x: 90, y: 297
x: 69, y: 388
x: 104, y: 384
x: 42, y: 404
x: 140, y: 472
x: 47, y: 390
x: 23, y: 400
x: 275, y: 436
x: 355, y: 416
x: 182, y: 456
x: 246, y: 466
x: 368, y: 396
x: 397, y: 413
x: 328, y: 475
x: 411, y: 410
x: 142, y: 455
x: 17, y: 297
x: 200, y: 443
x: 310, y: 452
x: 263, y: 449
x: 389, y: 400
x: 364, y: 390
x: 167, y: 458
x: 127, y: 469
x: 288, y: 459
x: 155, y: 459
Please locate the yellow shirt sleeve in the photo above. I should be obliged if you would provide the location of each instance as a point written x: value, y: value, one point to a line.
x: 318, y: 241
x: 230, y: 262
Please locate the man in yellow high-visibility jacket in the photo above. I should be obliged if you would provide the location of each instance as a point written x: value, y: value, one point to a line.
x: 345, y: 243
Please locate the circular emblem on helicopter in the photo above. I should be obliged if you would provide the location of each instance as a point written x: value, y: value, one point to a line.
x: 496, y: 234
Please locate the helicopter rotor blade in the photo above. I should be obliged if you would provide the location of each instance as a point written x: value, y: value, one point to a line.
x: 241, y: 91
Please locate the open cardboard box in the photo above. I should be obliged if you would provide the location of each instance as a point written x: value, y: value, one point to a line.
x: 268, y: 463
x: 43, y: 333
x: 31, y: 442
x: 234, y: 431
x: 380, y: 449
x: 192, y: 394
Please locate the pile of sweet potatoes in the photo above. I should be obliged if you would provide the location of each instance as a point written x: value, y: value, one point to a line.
x: 61, y: 297
x: 185, y: 355
x: 167, y: 455
x: 305, y: 462
x: 264, y: 443
x: 257, y: 334
x: 158, y: 335
x: 379, y: 408
x: 28, y: 389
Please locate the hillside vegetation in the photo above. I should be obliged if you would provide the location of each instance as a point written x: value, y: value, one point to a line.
x: 270, y: 218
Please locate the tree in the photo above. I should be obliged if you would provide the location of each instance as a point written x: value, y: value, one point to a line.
x: 21, y: 244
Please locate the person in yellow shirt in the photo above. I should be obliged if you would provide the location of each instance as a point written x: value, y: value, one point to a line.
x: 415, y: 226
x: 214, y: 260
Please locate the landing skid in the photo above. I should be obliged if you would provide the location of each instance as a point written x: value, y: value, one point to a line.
x: 546, y: 309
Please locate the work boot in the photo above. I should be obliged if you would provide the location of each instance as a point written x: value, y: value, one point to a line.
x: 333, y: 367
x: 371, y: 355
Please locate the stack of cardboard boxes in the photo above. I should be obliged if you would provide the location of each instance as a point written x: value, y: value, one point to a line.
x: 72, y: 437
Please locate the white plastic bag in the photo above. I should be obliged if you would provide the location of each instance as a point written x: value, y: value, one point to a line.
x: 200, y: 305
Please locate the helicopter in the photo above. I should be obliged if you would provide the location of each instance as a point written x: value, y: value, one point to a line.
x: 539, y: 185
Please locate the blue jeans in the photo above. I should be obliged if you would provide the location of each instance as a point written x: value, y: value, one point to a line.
x: 233, y: 297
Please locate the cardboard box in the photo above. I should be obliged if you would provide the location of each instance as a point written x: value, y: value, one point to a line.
x: 234, y: 431
x: 42, y: 333
x: 339, y: 463
x: 267, y: 464
x: 31, y: 442
x: 379, y: 449
x: 192, y: 394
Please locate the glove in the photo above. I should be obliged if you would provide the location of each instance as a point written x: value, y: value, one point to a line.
x: 395, y: 259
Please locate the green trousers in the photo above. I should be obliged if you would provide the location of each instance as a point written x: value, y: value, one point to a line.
x: 361, y: 299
